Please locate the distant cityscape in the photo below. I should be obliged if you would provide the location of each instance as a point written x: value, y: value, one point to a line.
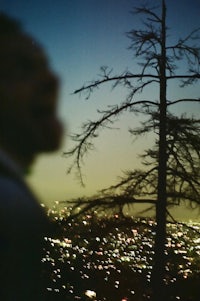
x: 96, y: 256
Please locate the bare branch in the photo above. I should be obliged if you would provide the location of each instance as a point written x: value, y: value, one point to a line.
x: 186, y: 76
x: 94, y: 84
x: 183, y: 100
x: 90, y: 129
x: 149, y: 12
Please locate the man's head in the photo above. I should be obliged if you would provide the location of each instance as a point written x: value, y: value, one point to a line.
x: 28, y: 96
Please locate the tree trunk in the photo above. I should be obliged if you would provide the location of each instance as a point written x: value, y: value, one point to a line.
x: 160, y: 239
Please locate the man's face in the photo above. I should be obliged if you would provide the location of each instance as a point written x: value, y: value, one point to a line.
x: 28, y: 96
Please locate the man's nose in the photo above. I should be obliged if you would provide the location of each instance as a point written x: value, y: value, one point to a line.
x: 49, y: 83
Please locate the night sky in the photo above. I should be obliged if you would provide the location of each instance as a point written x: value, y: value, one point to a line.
x: 79, y: 37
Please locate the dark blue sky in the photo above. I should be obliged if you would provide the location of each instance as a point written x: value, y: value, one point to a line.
x: 82, y: 35
x: 91, y: 32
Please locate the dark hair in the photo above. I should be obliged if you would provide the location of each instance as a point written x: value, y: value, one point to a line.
x: 8, y: 25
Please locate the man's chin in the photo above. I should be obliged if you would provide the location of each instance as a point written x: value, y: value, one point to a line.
x: 49, y: 137
x: 48, y: 147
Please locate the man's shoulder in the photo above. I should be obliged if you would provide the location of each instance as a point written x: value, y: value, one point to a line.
x: 11, y: 190
x: 17, y: 198
x: 12, y: 187
x: 19, y: 207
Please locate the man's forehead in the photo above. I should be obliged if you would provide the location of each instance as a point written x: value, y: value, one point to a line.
x: 22, y: 45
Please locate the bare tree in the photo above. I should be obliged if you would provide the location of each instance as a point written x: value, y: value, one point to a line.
x: 169, y: 180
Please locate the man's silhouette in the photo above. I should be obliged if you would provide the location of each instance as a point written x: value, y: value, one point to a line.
x: 28, y: 126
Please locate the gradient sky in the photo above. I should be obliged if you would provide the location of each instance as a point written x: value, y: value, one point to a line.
x: 79, y: 37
